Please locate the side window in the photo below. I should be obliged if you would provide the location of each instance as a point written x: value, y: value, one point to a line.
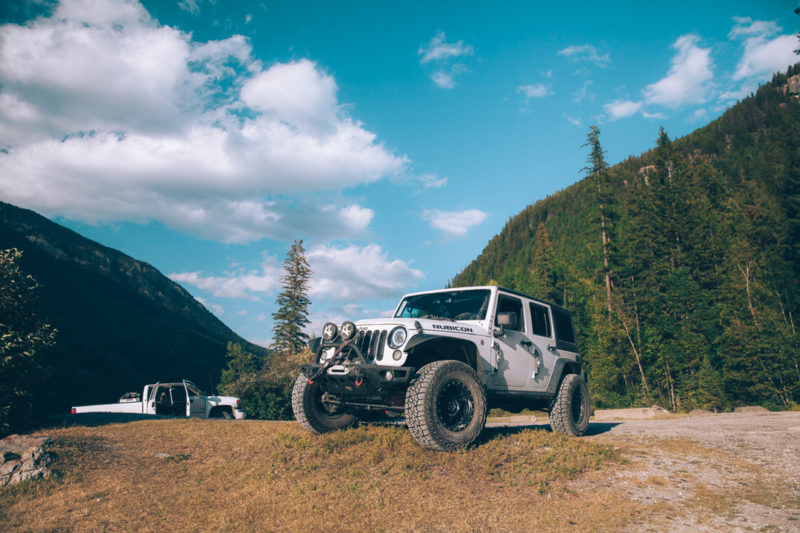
x: 507, y: 304
x: 565, y: 333
x: 541, y: 320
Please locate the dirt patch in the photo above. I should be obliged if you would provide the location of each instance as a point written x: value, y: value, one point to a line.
x: 726, y: 472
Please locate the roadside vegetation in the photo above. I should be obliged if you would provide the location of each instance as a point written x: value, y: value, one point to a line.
x: 207, y: 475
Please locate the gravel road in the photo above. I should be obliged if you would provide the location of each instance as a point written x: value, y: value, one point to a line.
x: 716, y: 472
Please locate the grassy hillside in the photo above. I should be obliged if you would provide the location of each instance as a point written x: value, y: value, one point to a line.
x: 703, y: 260
x: 269, y: 476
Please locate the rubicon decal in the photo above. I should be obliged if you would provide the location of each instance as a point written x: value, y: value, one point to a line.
x: 463, y: 329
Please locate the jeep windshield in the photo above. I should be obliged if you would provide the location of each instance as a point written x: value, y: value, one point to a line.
x: 449, y: 305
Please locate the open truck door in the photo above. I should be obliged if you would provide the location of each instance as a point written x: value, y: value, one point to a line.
x: 197, y: 402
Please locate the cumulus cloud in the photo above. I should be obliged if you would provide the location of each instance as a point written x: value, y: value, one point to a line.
x: 689, y: 78
x: 107, y: 115
x: 621, y: 109
x: 454, y: 223
x: 339, y: 273
x: 443, y: 58
x: 764, y: 52
x: 538, y: 90
x: 247, y: 285
x: 359, y: 273
x: 586, y: 53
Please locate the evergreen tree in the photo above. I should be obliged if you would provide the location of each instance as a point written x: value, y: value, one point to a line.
x: 22, y: 337
x: 598, y: 171
x: 292, y: 314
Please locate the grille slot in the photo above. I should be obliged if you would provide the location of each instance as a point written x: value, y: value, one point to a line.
x: 372, y: 343
x: 381, y: 345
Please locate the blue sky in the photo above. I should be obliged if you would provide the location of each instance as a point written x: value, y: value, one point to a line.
x: 394, y: 138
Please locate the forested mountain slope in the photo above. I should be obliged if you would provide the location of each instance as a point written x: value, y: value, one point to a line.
x: 703, y: 261
x: 121, y: 323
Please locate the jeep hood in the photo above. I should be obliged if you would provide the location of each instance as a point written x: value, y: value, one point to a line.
x: 429, y: 326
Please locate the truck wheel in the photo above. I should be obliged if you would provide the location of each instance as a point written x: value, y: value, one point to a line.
x: 569, y: 413
x: 446, y: 406
x: 311, y: 413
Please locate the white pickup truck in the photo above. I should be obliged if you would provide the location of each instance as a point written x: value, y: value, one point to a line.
x: 175, y: 399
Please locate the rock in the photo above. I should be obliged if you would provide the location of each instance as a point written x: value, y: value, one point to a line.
x: 751, y: 409
x: 23, y: 459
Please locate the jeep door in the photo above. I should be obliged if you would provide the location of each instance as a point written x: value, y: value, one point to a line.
x: 544, y: 351
x: 512, y: 348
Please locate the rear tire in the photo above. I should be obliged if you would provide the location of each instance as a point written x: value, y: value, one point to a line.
x: 446, y: 406
x: 311, y: 413
x: 569, y: 413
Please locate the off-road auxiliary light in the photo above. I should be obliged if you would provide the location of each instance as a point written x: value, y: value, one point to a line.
x: 348, y: 330
x: 396, y: 355
x: 329, y: 331
x: 389, y: 376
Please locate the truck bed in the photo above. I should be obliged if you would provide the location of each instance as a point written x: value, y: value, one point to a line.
x: 126, y: 407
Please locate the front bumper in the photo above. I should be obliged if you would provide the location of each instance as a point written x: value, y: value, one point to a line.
x: 360, y: 380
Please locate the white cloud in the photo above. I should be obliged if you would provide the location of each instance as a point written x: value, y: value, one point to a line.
x: 443, y: 80
x: 338, y: 273
x: 580, y: 94
x: 538, y: 90
x: 107, y: 115
x: 586, y: 52
x: 246, y: 285
x: 621, y: 108
x: 763, y: 54
x: 358, y: 273
x: 689, y: 78
x: 432, y: 181
x: 214, y: 308
x: 454, y: 223
x: 445, y: 57
x: 574, y: 121
x: 438, y: 49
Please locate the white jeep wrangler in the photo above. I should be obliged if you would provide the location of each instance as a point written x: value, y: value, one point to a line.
x: 444, y: 359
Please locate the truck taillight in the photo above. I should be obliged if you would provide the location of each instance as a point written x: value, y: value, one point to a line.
x: 73, y: 411
x: 238, y: 403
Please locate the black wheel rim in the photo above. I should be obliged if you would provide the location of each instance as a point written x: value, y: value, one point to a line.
x: 454, y: 406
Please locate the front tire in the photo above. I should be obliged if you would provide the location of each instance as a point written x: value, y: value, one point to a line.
x: 569, y: 413
x: 311, y: 413
x: 446, y: 406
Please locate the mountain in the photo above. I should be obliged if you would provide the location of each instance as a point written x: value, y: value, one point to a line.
x: 121, y: 323
x: 682, y: 265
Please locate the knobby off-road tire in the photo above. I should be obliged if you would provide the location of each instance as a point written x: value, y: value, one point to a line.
x: 446, y: 406
x: 569, y: 413
x: 311, y: 413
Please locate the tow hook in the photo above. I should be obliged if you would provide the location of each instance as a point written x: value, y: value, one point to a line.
x: 359, y: 381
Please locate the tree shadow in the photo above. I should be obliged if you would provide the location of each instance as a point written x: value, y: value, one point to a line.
x: 99, y: 419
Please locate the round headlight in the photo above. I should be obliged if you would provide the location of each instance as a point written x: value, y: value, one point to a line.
x: 348, y: 330
x: 397, y: 337
x: 329, y: 331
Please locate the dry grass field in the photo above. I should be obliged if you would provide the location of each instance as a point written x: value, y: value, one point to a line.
x: 214, y: 475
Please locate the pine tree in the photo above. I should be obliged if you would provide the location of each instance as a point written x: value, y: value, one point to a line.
x: 598, y: 171
x: 293, y: 301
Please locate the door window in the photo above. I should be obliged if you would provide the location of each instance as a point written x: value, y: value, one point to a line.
x: 507, y: 304
x: 541, y: 320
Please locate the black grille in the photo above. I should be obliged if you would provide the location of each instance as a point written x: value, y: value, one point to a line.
x: 372, y: 343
